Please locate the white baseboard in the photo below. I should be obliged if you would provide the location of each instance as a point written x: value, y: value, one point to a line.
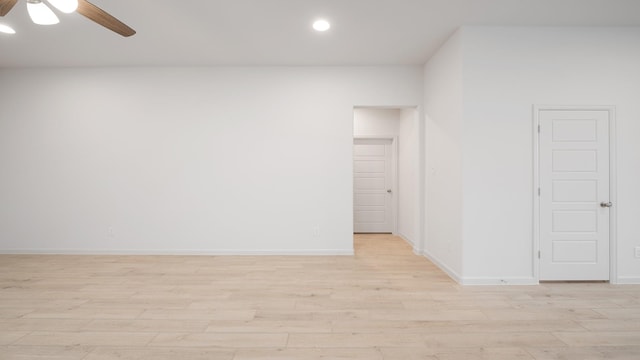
x: 472, y: 281
x: 628, y: 280
x: 188, y: 252
x: 406, y: 238
x: 452, y: 274
x: 498, y: 281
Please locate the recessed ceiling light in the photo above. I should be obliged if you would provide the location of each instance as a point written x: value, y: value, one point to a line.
x: 6, y: 29
x: 321, y: 25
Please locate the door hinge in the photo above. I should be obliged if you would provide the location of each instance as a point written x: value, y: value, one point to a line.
x: 539, y: 254
x: 538, y: 191
x: 538, y: 129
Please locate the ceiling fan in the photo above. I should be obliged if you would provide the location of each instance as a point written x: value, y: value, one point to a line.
x: 42, y: 14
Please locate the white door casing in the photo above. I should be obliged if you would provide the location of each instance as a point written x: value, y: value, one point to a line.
x: 372, y: 186
x: 574, y: 193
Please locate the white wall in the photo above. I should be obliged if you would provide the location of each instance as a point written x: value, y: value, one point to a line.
x: 408, y: 175
x: 479, y: 93
x: 376, y: 122
x: 401, y: 123
x: 443, y: 117
x: 506, y: 71
x: 184, y: 160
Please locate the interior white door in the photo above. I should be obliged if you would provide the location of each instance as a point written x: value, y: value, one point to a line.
x: 574, y: 194
x: 372, y: 188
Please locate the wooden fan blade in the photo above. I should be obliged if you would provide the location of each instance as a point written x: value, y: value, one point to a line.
x: 103, y: 18
x: 6, y: 6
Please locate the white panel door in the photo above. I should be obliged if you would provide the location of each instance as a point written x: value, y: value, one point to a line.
x: 372, y: 176
x: 574, y: 195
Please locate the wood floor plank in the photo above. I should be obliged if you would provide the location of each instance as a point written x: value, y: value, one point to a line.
x: 29, y: 352
x: 10, y: 337
x: 600, y: 338
x: 351, y: 340
x: 492, y: 340
x: 611, y: 325
x: 501, y: 353
x: 297, y: 354
x: 270, y: 326
x: 77, y: 338
x: 25, y: 324
x: 151, y: 353
x: 229, y: 340
x: 146, y: 325
x: 586, y: 353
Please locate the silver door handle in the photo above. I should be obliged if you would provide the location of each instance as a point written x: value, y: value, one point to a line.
x: 606, y: 204
x: 389, y: 191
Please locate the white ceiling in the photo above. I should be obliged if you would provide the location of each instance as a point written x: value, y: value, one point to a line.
x: 278, y: 32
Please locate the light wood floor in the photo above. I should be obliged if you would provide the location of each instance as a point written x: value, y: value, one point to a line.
x: 383, y: 303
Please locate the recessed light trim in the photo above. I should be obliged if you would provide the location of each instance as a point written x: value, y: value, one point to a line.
x: 321, y: 25
x: 6, y: 29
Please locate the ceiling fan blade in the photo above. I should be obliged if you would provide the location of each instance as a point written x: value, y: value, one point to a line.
x: 6, y: 6
x: 103, y: 18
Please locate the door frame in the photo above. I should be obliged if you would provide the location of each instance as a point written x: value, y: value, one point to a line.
x: 394, y: 175
x: 613, y: 186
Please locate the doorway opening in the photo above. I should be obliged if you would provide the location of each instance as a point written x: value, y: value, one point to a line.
x: 386, y: 172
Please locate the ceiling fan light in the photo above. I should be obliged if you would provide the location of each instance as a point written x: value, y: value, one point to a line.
x: 66, y: 6
x: 6, y: 29
x: 40, y: 13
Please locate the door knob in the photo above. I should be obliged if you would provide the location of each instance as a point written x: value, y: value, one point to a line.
x: 389, y: 191
x: 606, y: 204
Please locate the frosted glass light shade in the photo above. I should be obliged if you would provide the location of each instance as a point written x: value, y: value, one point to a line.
x: 6, y: 29
x: 40, y: 13
x: 66, y: 6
